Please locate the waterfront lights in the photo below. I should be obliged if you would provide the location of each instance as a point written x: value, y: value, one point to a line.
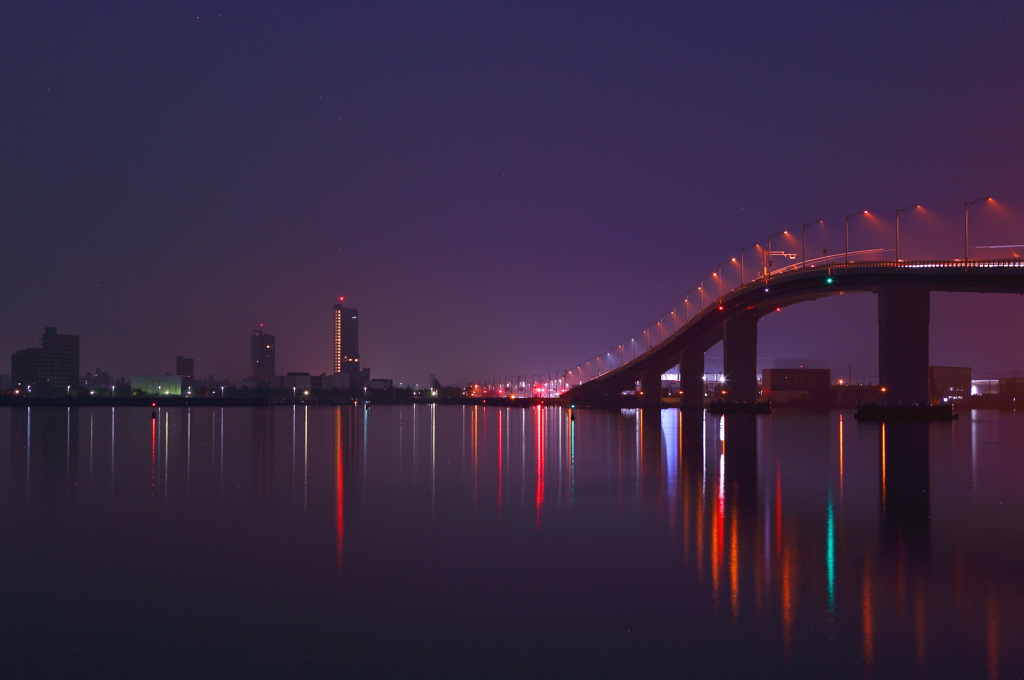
x: 898, y: 212
x: 859, y: 212
x: 967, y: 206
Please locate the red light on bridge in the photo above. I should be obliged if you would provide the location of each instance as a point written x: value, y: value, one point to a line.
x: 778, y: 309
x: 720, y: 307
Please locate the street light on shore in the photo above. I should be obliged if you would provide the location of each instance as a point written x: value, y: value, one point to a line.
x: 899, y: 211
x: 967, y: 206
x: 803, y: 242
x: 859, y: 212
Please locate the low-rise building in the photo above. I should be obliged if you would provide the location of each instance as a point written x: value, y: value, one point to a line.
x: 793, y: 384
x: 949, y: 383
x: 164, y: 385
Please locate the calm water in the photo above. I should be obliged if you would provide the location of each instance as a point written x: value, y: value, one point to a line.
x: 492, y: 542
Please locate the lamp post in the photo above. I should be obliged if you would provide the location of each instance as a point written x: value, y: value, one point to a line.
x: 720, y: 278
x: 859, y: 212
x: 967, y: 206
x: 899, y: 211
x: 803, y: 242
x: 742, y: 250
x: 768, y: 253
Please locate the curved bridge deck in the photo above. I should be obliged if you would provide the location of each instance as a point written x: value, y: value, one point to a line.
x: 903, y: 289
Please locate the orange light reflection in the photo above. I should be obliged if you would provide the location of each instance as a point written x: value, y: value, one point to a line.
x: 339, y: 485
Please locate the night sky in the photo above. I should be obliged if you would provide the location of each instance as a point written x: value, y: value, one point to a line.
x: 499, y: 188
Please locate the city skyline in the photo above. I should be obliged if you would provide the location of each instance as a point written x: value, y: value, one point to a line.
x: 503, y: 192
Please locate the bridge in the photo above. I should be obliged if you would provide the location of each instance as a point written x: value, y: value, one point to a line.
x: 903, y: 289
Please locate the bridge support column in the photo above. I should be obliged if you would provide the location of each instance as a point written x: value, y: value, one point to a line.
x: 739, y: 356
x: 650, y: 385
x: 691, y: 378
x: 903, y: 317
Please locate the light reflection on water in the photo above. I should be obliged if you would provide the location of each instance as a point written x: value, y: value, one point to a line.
x: 494, y: 541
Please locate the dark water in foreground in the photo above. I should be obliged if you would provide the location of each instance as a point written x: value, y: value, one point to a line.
x: 491, y: 542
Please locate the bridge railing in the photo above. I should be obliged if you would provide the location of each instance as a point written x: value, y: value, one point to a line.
x: 683, y: 313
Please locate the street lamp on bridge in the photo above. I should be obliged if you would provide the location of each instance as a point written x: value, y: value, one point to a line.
x: 899, y: 211
x: 859, y: 212
x: 719, y: 275
x: 768, y: 253
x: 686, y: 304
x: 803, y: 242
x: 967, y: 206
x: 743, y: 250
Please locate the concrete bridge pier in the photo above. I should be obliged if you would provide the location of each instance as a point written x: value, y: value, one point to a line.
x: 739, y: 356
x: 650, y: 386
x: 903, y: 317
x: 691, y: 378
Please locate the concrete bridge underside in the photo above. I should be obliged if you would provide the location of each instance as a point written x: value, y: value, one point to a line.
x: 903, y: 292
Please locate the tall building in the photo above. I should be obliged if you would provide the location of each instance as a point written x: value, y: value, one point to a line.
x: 53, y: 364
x: 346, y: 339
x: 261, y: 357
x: 184, y: 367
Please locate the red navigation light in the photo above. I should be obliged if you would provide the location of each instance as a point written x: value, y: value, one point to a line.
x: 778, y: 309
x: 720, y: 307
x: 341, y: 298
x: 153, y: 404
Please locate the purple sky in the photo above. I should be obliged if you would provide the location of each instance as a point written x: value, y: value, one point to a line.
x: 500, y: 188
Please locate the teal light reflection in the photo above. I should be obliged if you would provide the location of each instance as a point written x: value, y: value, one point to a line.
x: 830, y: 556
x: 572, y: 461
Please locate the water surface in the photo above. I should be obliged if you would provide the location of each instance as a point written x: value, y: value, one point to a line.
x: 444, y: 541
